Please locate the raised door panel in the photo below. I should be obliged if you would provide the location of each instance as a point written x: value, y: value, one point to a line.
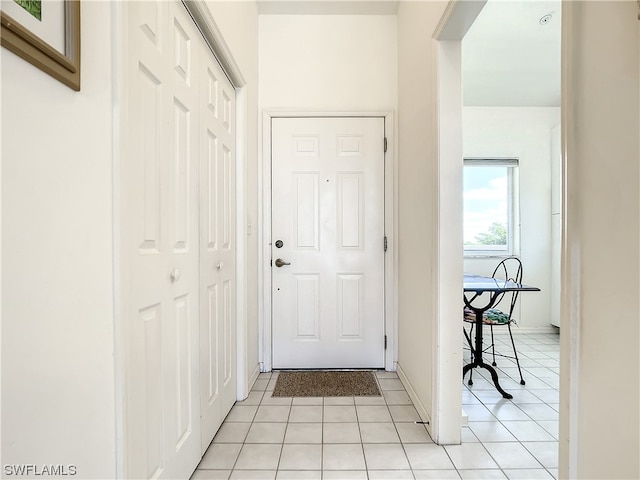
x: 350, y: 306
x: 147, y: 159
x: 350, y: 218
x: 305, y: 204
x: 183, y: 361
x: 150, y: 321
x: 307, y: 307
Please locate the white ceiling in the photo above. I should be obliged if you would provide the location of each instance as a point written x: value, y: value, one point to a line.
x: 509, y: 58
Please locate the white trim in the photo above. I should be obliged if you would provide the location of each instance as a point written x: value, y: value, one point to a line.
x: 119, y: 342
x: 457, y: 19
x: 570, y: 301
x: 417, y: 402
x: 264, y: 250
x: 391, y: 230
x: 213, y: 36
x: 254, y: 376
x: 448, y: 262
x: 242, y: 388
x: 448, y: 271
x: 512, y: 166
x: 264, y: 216
x: 516, y: 330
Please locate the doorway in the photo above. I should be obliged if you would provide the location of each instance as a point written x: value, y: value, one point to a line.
x: 453, y: 28
x: 352, y: 295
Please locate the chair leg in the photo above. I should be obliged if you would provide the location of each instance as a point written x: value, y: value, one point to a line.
x: 515, y: 354
x: 470, y: 382
x: 493, y: 346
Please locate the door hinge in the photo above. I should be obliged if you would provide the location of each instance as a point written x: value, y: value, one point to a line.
x: 385, y: 144
x: 385, y: 342
x: 385, y: 243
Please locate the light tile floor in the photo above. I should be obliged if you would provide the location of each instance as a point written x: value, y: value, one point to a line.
x: 377, y: 437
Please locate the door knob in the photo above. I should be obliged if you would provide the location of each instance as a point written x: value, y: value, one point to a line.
x: 219, y: 266
x: 281, y: 263
x: 175, y: 275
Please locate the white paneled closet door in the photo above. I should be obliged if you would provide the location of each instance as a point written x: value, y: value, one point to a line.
x: 217, y: 248
x: 176, y: 369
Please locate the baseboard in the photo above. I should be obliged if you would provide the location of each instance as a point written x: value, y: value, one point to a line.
x: 254, y: 376
x: 465, y: 418
x: 420, y: 407
x: 516, y: 330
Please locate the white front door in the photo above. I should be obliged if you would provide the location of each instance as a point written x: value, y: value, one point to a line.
x: 328, y: 229
x: 177, y: 242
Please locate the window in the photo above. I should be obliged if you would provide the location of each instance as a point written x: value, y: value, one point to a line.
x: 490, y: 206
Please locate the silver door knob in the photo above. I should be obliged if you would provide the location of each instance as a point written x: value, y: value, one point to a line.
x: 175, y: 275
x: 219, y: 266
x: 281, y: 263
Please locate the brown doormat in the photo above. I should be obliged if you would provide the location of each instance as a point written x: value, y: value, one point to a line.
x: 326, y: 384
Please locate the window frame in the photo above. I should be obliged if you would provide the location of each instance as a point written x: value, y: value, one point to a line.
x: 513, y: 206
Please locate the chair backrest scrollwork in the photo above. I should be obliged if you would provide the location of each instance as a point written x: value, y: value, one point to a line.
x: 509, y: 269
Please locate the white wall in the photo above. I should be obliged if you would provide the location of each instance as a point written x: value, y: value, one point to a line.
x: 58, y: 375
x: 417, y: 206
x: 600, y: 352
x: 238, y: 23
x: 57, y: 283
x: 523, y: 133
x: 337, y: 62
x: 329, y: 63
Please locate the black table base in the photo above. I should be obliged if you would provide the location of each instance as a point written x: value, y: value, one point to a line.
x: 492, y: 371
x: 474, y: 288
x: 476, y: 350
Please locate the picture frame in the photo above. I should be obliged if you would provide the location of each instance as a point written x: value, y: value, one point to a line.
x: 60, y: 59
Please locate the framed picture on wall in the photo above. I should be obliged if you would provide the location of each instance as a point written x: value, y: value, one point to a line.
x: 46, y: 33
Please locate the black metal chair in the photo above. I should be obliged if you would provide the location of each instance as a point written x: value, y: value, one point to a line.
x: 508, y: 269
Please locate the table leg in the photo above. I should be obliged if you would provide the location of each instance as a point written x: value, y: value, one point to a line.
x: 494, y: 377
x: 477, y: 357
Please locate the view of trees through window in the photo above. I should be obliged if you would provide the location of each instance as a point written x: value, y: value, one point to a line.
x: 488, y: 203
x: 495, y: 235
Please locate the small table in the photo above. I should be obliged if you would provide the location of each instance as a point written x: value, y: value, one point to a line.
x: 474, y: 288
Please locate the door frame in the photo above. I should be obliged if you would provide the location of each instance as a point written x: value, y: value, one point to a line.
x: 446, y: 348
x: 265, y: 320
x: 447, y: 41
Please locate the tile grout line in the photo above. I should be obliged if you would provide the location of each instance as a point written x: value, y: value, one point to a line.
x: 321, y: 441
x: 355, y: 408
x: 233, y: 468
x: 404, y: 450
x: 474, y: 395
